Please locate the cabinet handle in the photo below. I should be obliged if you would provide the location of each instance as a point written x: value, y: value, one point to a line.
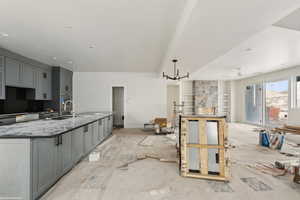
x: 45, y: 96
x: 56, y: 140
x: 86, y: 129
x: 61, y: 139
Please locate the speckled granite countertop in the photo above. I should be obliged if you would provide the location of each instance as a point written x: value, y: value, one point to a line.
x: 49, y: 128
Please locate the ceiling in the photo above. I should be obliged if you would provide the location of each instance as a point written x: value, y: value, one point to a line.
x: 272, y: 49
x: 144, y: 36
x: 91, y: 35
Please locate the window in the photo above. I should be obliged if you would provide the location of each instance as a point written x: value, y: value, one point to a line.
x: 298, y: 91
x: 253, y: 103
x: 277, y: 102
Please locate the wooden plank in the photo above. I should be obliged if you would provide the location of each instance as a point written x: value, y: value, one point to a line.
x: 209, y: 177
x: 203, y: 153
x: 292, y: 127
x: 221, y: 125
x: 204, y: 118
x: 183, y: 133
x: 286, y: 130
x: 205, y: 146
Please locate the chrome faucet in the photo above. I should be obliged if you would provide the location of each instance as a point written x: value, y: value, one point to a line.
x: 65, y: 106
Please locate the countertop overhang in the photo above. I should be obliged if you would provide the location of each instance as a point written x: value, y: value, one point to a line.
x: 50, y: 128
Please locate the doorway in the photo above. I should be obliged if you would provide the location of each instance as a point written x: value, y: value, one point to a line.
x: 118, y: 106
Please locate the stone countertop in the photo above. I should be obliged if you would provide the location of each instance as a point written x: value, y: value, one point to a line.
x: 49, y: 127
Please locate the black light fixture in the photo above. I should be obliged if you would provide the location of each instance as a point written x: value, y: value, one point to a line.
x: 176, y: 75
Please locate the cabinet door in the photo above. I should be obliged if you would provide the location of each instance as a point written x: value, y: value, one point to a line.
x: 2, y: 78
x: 104, y: 127
x: 100, y: 130
x: 95, y: 133
x: 110, y: 125
x: 46, y: 84
x: 88, y: 144
x: 45, y: 157
x: 66, y: 79
x: 66, y: 152
x: 27, y: 76
x: 77, y: 145
x: 12, y: 72
x: 43, y: 84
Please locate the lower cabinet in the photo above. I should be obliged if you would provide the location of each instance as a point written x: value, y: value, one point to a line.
x: 44, y: 164
x: 95, y: 133
x: 100, y: 130
x: 110, y: 125
x: 65, y: 153
x: 88, y: 138
x: 48, y: 158
x: 77, y: 145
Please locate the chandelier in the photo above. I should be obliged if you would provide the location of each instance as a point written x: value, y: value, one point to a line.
x: 176, y: 75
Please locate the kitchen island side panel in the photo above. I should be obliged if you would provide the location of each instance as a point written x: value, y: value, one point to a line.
x: 15, y: 167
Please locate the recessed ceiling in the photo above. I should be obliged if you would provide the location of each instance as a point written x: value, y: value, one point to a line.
x: 272, y: 49
x: 96, y: 35
x: 133, y: 35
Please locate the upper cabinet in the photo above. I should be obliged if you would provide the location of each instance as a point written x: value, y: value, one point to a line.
x: 27, y: 75
x: 66, y: 78
x: 43, y: 84
x: 2, y: 78
x: 19, y: 74
x: 12, y: 72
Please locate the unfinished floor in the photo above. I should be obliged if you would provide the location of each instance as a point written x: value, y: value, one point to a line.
x: 149, y: 179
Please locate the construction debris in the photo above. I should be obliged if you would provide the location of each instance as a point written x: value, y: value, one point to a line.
x: 146, y: 156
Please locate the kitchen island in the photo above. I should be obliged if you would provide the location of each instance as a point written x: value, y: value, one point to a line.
x: 34, y: 155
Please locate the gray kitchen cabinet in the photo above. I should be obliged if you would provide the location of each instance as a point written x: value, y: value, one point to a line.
x: 95, y: 133
x: 110, y: 125
x: 88, y: 138
x: 12, y: 72
x: 18, y: 74
x: 2, y: 78
x: 65, y: 153
x: 77, y: 145
x: 66, y: 80
x: 27, y: 76
x: 100, y: 130
x: 106, y: 128
x: 43, y: 84
x: 44, y: 164
x: 30, y: 166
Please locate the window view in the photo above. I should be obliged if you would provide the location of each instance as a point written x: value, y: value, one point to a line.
x: 298, y: 91
x: 277, y: 94
x: 253, y: 102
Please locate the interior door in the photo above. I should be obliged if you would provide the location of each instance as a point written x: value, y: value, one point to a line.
x: 118, y: 107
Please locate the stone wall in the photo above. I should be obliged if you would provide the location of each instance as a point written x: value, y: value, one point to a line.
x: 206, y: 94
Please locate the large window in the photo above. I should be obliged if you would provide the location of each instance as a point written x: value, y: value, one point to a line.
x: 277, y: 102
x: 253, y: 102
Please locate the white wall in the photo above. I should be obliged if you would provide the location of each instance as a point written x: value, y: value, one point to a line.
x: 145, y: 94
x: 238, y: 93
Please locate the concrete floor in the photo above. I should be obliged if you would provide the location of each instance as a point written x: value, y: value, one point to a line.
x: 150, y: 179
